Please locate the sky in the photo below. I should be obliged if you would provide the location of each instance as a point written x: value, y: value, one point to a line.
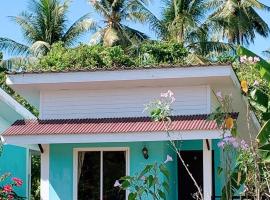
x: 80, y: 7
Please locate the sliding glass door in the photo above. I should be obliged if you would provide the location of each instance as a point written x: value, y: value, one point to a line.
x: 97, y: 172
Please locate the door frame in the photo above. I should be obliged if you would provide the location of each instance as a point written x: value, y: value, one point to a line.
x: 100, y: 149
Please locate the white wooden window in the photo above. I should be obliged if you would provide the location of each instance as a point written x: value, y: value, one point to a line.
x: 96, y: 170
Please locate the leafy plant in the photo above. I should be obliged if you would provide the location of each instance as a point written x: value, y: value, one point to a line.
x: 148, y: 183
x: 85, y: 57
x: 7, y: 190
x: 161, y: 52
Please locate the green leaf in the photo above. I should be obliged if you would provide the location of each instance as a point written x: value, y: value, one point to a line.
x: 164, y: 171
x: 151, y: 181
x: 145, y: 170
x: 264, y: 135
x: 219, y: 170
x: 125, y: 184
x: 132, y: 196
x: 266, y: 116
x: 165, y: 184
x: 259, y: 100
x: 265, y: 147
x: 161, y: 194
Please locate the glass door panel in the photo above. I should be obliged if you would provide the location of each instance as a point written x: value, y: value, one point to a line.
x: 114, y: 167
x: 89, y: 175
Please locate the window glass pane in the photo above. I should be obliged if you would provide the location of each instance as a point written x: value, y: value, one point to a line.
x: 114, y: 167
x: 89, y: 175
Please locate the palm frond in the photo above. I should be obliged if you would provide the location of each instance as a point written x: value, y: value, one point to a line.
x: 97, y: 37
x: 18, y: 63
x: 78, y: 28
x: 26, y: 23
x: 39, y: 48
x: 12, y: 47
x: 134, y: 34
x: 208, y: 47
x: 267, y: 53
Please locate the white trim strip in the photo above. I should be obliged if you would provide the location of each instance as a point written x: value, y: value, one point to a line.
x: 124, y: 75
x: 207, y: 170
x: 12, y: 103
x: 114, y: 137
x: 45, y: 173
x: 101, y: 150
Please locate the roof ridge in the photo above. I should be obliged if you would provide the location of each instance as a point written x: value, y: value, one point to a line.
x: 160, y: 66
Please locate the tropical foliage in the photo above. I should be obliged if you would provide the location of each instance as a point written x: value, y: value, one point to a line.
x: 148, y: 182
x: 239, y: 21
x: 85, y: 57
x: 43, y: 24
x: 115, y: 13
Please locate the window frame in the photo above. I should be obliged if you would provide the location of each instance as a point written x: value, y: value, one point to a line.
x: 99, y: 149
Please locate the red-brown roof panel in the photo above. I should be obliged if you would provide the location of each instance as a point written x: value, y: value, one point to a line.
x: 108, y: 125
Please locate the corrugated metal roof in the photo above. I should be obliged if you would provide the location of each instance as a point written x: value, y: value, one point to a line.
x: 108, y: 125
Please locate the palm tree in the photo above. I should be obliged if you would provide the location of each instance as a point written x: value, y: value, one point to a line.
x: 43, y: 25
x: 115, y: 13
x: 239, y: 20
x: 185, y: 21
x: 182, y: 20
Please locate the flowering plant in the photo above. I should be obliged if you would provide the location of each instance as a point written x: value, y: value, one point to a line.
x: 7, y: 191
x: 223, y: 113
x: 147, y: 182
x: 160, y: 109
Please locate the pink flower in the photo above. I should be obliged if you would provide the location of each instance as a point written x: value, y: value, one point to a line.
x: 164, y: 95
x: 243, y: 59
x: 256, y: 59
x: 18, y: 182
x: 10, y: 197
x: 219, y: 94
x: 256, y: 83
x: 250, y: 59
x: 221, y: 144
x: 168, y: 159
x: 117, y: 183
x: 7, y: 189
x: 143, y: 178
x: 243, y: 145
x: 170, y: 93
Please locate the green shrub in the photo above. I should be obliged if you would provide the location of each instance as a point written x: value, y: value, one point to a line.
x: 162, y: 53
x: 85, y: 57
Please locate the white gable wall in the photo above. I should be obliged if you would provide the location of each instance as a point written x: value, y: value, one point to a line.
x: 128, y: 102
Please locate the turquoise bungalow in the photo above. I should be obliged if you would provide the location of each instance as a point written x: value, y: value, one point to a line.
x: 92, y: 129
x: 15, y: 159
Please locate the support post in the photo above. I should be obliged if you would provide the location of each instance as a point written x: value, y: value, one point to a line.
x: 45, y: 182
x: 207, y: 169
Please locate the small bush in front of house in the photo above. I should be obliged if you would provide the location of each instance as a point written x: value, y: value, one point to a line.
x: 148, y: 182
x: 7, y: 190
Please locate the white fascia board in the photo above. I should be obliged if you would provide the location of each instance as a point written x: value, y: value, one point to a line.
x: 12, y: 103
x: 114, y: 137
x: 122, y: 75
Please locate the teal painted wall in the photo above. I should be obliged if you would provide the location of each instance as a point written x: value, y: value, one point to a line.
x: 13, y: 160
x: 61, y: 163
